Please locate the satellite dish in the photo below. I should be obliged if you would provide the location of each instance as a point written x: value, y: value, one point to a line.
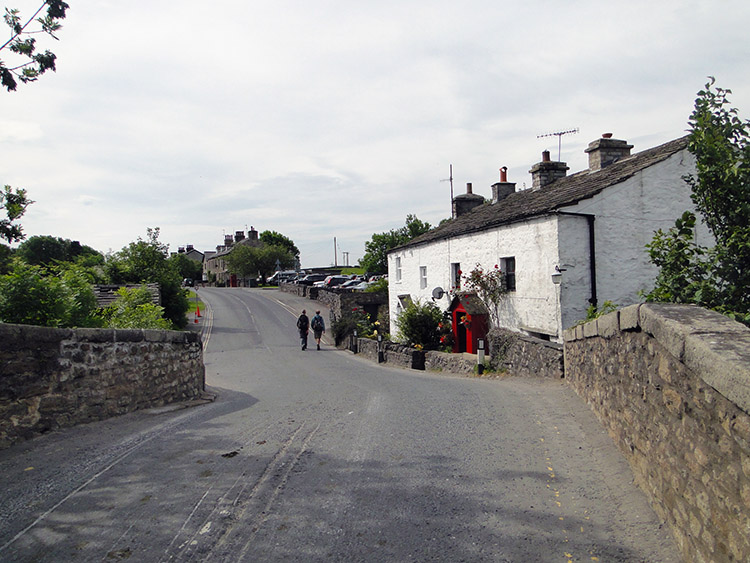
x: 438, y: 293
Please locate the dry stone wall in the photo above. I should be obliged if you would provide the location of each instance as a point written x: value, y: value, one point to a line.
x: 53, y: 378
x: 671, y: 384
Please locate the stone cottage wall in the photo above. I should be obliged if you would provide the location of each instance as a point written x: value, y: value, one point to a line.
x: 672, y: 386
x: 53, y: 378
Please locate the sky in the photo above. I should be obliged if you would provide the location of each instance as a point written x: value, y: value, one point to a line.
x: 331, y: 120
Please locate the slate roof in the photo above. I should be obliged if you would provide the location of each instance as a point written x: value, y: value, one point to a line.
x: 560, y: 193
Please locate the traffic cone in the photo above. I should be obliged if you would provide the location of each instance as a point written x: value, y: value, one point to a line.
x: 197, y: 311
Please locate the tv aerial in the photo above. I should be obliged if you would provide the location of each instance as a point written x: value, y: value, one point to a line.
x: 559, y: 135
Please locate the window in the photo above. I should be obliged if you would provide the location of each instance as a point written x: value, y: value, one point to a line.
x: 456, y: 275
x: 423, y: 277
x: 398, y: 268
x: 508, y: 266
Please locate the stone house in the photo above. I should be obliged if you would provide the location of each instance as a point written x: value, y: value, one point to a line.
x: 568, y: 242
x: 214, y: 264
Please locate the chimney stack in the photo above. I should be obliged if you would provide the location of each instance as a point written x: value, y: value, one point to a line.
x: 228, y: 241
x: 503, y: 188
x: 547, y: 171
x: 463, y: 203
x: 606, y: 151
x: 252, y: 234
x: 239, y: 235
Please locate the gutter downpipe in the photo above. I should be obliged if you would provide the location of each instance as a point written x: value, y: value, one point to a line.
x: 592, y: 251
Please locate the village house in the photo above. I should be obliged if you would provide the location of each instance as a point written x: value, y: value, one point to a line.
x: 215, y: 265
x: 568, y: 242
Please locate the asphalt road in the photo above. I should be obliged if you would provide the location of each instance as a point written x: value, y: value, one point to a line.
x: 324, y: 456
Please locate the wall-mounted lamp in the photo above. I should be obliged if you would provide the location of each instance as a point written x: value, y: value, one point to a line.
x: 557, y: 275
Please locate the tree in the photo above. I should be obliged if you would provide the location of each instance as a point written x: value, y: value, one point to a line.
x: 718, y: 277
x: 243, y: 261
x: 14, y: 203
x: 47, y: 250
x: 24, y: 46
x: 272, y: 238
x: 145, y: 261
x: 248, y: 261
x: 186, y: 267
x: 375, y: 260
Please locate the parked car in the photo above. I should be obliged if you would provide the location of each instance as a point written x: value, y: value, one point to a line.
x: 310, y: 279
x: 361, y: 285
x: 281, y: 276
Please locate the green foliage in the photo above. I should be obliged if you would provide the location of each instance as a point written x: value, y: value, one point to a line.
x: 719, y: 277
x: 29, y: 296
x: 594, y: 312
x: 248, y: 261
x: 186, y: 267
x: 32, y: 64
x: 684, y: 267
x: 6, y: 252
x: 378, y: 286
x: 348, y: 322
x: 146, y: 261
x: 419, y: 325
x: 375, y: 260
x: 133, y: 309
x: 272, y: 238
x: 48, y: 250
x: 14, y: 202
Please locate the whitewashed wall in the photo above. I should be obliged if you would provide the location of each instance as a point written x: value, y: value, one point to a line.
x: 627, y: 215
x: 533, y: 244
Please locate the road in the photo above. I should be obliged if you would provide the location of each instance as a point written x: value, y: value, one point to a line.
x: 324, y: 456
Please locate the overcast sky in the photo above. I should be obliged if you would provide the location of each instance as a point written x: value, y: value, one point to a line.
x: 322, y: 119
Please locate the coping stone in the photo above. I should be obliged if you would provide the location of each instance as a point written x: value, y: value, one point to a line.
x: 629, y: 319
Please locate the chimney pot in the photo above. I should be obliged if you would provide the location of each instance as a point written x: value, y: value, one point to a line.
x: 504, y: 174
x: 606, y: 135
x: 468, y: 188
x: 545, y: 156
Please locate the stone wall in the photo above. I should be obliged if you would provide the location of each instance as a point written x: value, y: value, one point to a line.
x: 53, y: 378
x: 398, y: 355
x: 672, y: 386
x: 524, y: 356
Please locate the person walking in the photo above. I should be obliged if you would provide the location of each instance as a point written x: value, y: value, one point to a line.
x: 303, y: 325
x: 319, y: 327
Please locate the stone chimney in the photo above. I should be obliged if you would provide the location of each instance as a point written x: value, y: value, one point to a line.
x: 252, y: 234
x: 189, y: 247
x: 463, y: 203
x: 606, y: 151
x: 503, y: 188
x: 547, y: 171
x: 239, y: 235
x: 228, y: 241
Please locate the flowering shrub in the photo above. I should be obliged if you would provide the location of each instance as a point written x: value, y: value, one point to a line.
x: 418, y: 325
x: 490, y: 287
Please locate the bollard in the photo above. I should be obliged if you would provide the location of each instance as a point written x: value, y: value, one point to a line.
x: 480, y: 356
x: 355, y: 344
x: 381, y: 359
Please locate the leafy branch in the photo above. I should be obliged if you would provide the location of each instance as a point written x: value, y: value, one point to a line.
x: 21, y: 43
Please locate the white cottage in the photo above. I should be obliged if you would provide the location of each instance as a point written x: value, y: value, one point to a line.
x: 592, y: 227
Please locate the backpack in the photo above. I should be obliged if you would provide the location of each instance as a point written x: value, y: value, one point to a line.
x: 317, y: 323
x: 302, y: 322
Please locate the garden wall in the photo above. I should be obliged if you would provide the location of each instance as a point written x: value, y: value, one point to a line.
x: 525, y: 356
x: 671, y: 384
x: 53, y: 378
